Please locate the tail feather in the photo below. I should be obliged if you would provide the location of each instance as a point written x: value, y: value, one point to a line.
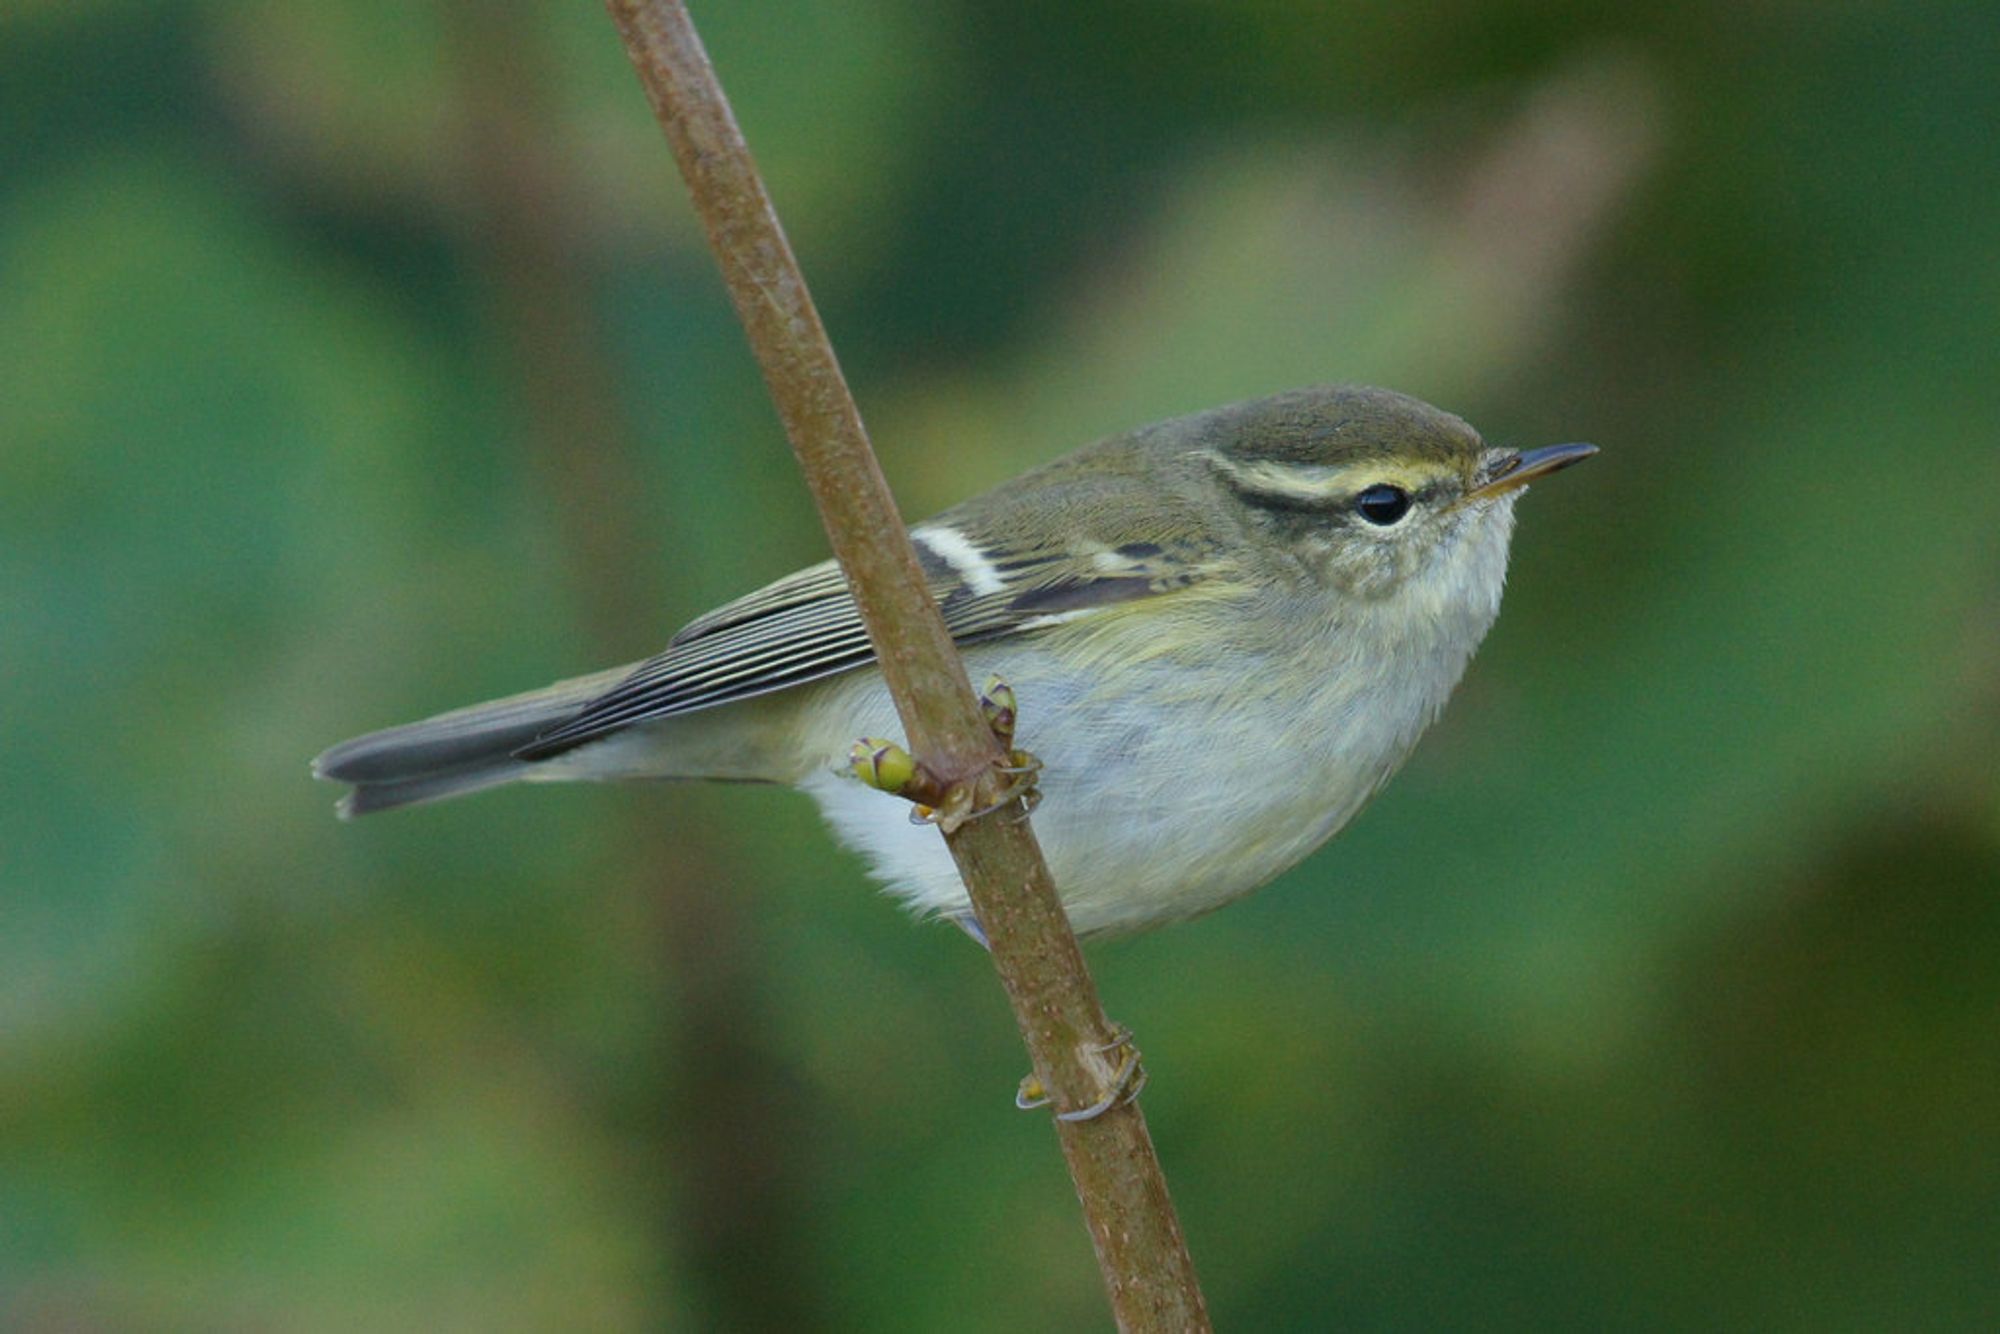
x: 367, y: 798
x: 457, y: 752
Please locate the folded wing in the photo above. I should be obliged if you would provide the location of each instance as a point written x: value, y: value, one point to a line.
x: 806, y: 626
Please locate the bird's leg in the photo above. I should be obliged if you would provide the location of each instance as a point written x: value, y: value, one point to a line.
x: 888, y: 767
x: 1126, y: 1080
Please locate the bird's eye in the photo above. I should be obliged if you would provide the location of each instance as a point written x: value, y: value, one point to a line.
x: 1382, y: 504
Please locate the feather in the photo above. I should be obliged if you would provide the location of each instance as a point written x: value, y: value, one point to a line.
x: 806, y: 627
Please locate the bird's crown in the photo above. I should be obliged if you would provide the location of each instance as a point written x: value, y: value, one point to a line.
x: 1323, y: 447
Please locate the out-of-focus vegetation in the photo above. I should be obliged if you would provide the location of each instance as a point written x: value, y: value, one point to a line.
x: 360, y: 360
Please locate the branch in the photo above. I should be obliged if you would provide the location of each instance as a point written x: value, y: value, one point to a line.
x: 1144, y: 1259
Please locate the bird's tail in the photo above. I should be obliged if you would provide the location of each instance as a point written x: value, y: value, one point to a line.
x: 454, y: 753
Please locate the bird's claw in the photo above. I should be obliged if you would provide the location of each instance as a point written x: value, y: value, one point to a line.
x: 1031, y: 1094
x: 1023, y: 790
x: 1023, y: 773
x: 888, y: 767
x: 1126, y: 1083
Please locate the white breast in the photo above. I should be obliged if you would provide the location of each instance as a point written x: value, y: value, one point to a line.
x: 1181, y: 786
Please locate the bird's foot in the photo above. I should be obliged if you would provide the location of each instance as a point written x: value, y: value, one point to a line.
x: 1023, y: 790
x: 888, y: 767
x: 1127, y: 1079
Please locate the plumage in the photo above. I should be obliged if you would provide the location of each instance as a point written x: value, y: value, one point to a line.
x: 794, y: 637
x: 1217, y: 659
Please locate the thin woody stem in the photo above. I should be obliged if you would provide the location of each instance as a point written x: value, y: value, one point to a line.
x: 1140, y: 1250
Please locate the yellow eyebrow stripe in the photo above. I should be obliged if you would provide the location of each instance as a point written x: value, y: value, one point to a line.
x: 1318, y: 483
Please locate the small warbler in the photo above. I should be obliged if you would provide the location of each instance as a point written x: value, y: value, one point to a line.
x: 1224, y: 633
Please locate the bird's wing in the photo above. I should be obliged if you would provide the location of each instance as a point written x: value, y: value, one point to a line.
x: 806, y: 626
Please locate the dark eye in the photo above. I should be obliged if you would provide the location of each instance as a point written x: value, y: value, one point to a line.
x: 1382, y: 504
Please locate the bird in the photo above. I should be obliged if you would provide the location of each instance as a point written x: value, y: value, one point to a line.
x: 1223, y: 633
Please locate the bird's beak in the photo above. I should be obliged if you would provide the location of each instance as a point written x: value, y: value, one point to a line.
x: 1510, y: 474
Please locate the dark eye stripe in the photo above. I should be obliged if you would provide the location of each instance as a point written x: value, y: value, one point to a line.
x: 1292, y: 502
x: 1335, y: 505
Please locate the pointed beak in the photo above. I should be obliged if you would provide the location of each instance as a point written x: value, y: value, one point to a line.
x: 1510, y: 474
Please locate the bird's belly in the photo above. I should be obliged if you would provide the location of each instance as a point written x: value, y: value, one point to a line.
x: 1151, y: 812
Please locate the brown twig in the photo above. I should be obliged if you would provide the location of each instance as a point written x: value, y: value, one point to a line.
x: 1140, y: 1250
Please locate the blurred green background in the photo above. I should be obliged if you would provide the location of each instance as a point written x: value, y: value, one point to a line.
x: 360, y: 360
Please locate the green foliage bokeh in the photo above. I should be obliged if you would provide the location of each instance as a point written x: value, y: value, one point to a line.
x: 1658, y: 992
